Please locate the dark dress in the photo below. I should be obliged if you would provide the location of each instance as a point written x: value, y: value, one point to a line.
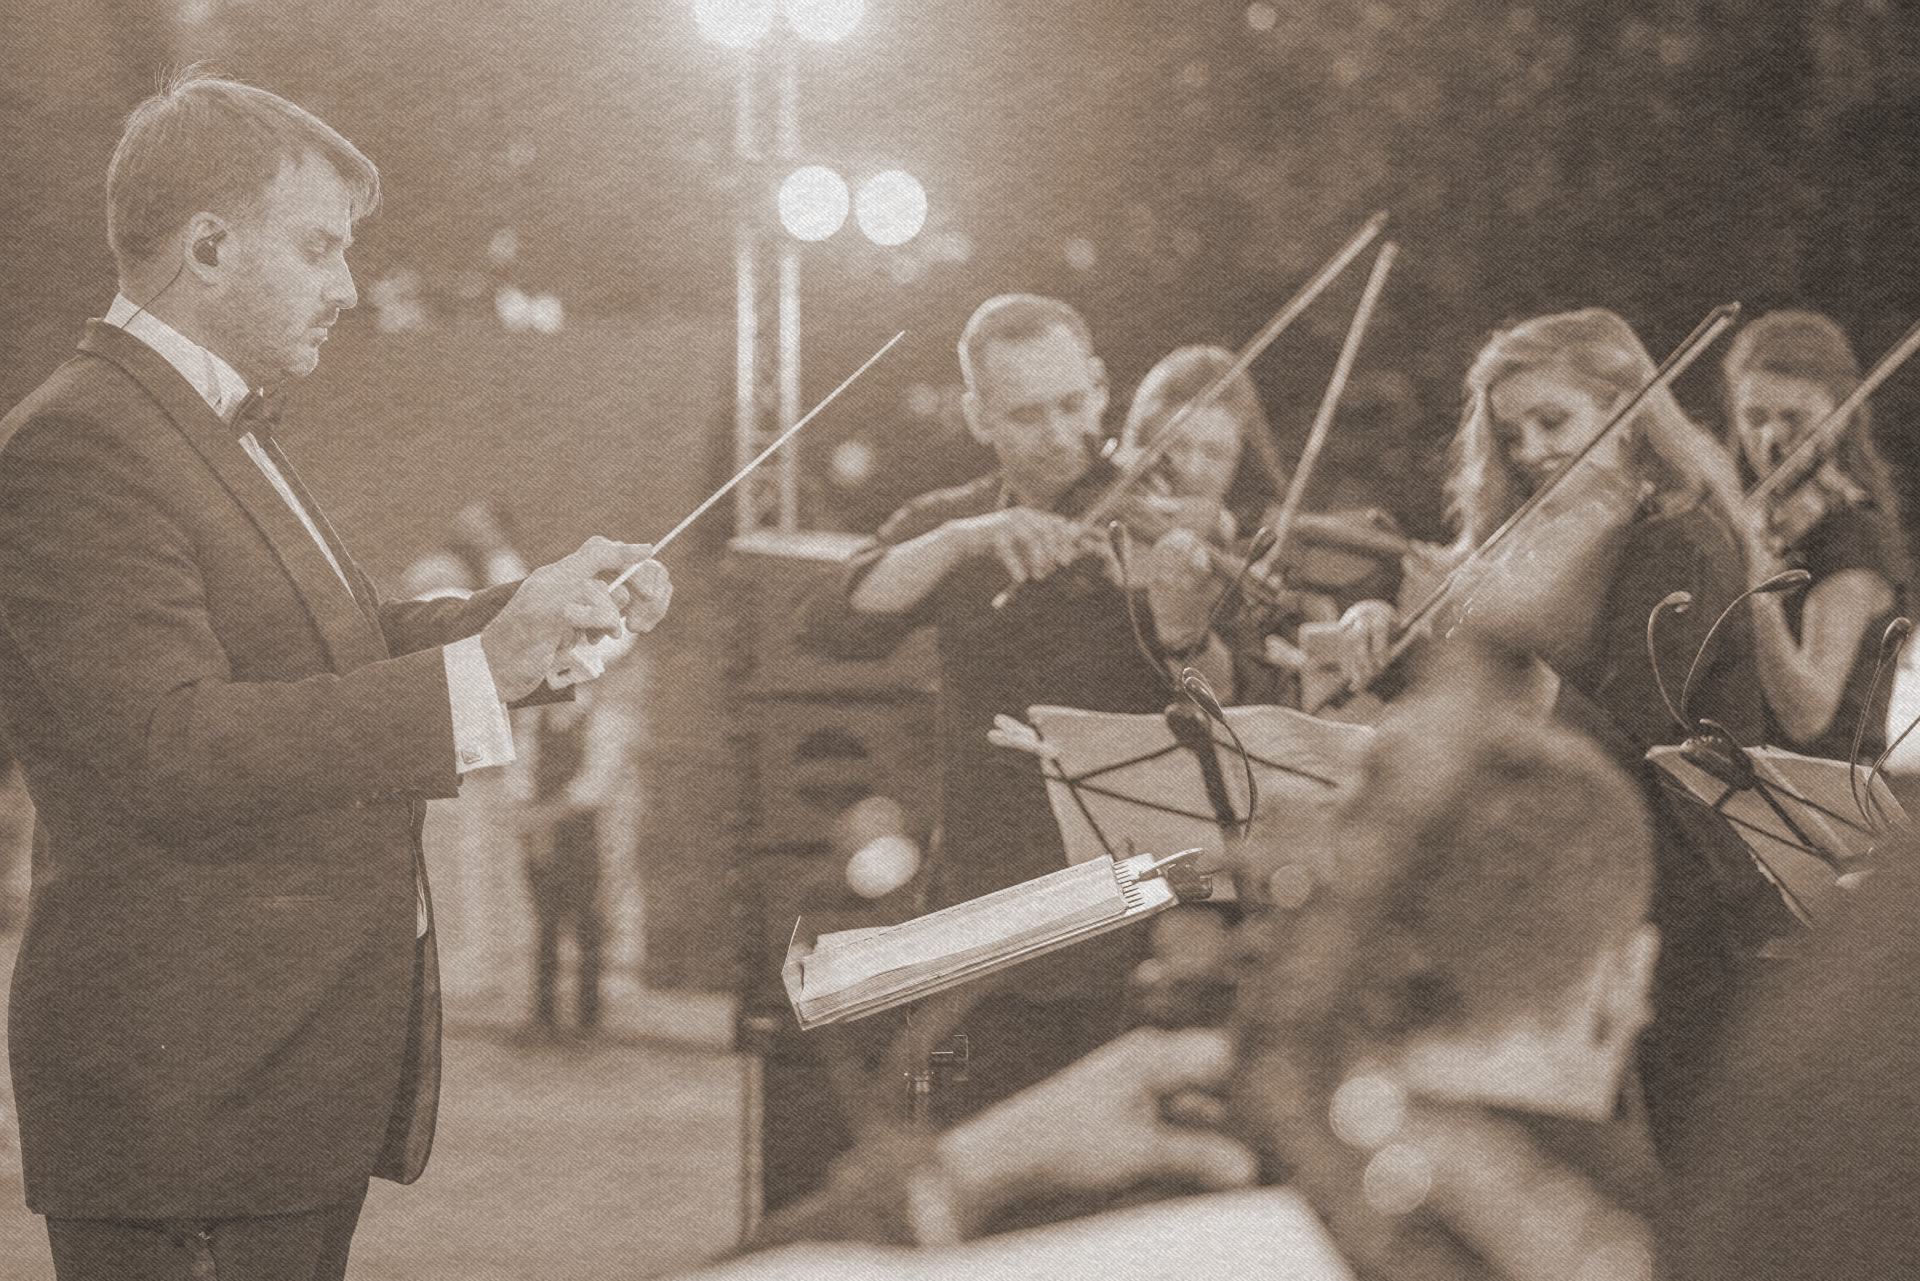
x: 1855, y: 537
x: 1709, y: 902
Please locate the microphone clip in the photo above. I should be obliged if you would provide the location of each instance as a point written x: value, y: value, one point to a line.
x: 1715, y: 751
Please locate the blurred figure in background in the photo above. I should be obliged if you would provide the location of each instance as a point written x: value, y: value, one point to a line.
x: 571, y: 763
x: 482, y: 537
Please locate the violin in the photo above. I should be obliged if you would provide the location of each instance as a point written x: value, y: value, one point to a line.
x: 1104, y: 504
x: 1321, y: 552
x: 1329, y: 553
x: 1796, y: 510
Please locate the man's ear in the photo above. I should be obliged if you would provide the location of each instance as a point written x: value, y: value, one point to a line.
x: 201, y: 243
x: 975, y: 414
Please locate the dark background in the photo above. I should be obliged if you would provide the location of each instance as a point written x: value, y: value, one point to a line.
x: 1655, y: 156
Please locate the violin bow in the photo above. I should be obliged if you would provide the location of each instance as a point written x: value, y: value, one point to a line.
x: 1323, y: 418
x: 1716, y: 323
x: 1803, y: 454
x: 1156, y: 449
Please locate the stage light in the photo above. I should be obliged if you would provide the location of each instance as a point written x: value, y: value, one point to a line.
x: 891, y: 207
x: 824, y: 20
x: 734, y: 23
x: 813, y: 202
x: 1262, y: 17
x: 1080, y: 253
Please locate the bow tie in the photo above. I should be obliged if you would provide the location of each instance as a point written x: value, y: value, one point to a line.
x: 257, y: 414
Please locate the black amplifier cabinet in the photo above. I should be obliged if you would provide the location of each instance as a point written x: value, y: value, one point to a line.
x: 807, y: 737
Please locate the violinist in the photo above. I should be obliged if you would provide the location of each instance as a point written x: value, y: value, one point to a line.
x: 1220, y: 479
x: 1647, y: 521
x: 1035, y: 394
x: 1817, y: 648
x: 1224, y: 481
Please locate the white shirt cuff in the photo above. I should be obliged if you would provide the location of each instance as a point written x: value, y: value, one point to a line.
x: 482, y: 733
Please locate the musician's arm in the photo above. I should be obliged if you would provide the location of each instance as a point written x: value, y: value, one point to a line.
x: 1097, y: 1125
x: 1804, y: 679
x: 901, y: 576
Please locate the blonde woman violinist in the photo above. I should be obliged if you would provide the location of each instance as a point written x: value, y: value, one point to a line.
x: 1647, y: 519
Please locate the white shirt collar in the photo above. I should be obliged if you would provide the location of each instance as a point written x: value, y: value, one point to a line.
x: 218, y: 383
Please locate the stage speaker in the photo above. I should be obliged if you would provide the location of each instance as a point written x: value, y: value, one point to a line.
x: 808, y: 739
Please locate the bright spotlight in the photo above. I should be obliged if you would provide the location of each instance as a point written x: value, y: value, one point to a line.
x: 734, y: 23
x: 825, y: 20
x: 813, y: 203
x: 892, y: 207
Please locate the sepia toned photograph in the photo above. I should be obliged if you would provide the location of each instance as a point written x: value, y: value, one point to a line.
x: 790, y: 640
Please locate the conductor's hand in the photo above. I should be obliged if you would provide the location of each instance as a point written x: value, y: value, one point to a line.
x: 643, y: 599
x: 1099, y: 1125
x: 1030, y: 543
x: 554, y: 603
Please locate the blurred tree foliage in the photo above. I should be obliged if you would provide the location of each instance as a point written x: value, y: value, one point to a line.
x: 1656, y: 156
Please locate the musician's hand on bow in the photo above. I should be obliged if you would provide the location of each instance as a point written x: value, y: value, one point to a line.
x: 1101, y: 1124
x: 1029, y: 543
x: 551, y: 606
x: 1181, y: 591
x: 1365, y: 636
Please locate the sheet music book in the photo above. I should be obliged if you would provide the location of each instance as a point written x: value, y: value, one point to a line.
x: 1801, y: 824
x: 852, y: 973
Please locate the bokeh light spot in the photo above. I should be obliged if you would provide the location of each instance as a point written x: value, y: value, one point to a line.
x: 734, y: 23
x: 825, y: 20
x: 813, y: 202
x: 891, y: 207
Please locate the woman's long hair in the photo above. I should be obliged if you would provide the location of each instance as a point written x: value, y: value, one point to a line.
x: 1811, y: 347
x: 1181, y: 375
x: 1597, y: 350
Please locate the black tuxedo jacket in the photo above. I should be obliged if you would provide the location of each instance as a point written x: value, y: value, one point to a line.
x: 222, y: 1005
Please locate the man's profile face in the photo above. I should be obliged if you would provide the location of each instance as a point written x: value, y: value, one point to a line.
x: 1038, y: 406
x: 289, y: 279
